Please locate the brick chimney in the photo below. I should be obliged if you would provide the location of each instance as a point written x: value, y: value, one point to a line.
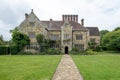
x: 26, y: 15
x: 82, y: 22
x: 70, y: 18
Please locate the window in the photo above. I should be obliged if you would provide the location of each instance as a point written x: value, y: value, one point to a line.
x: 54, y: 37
x: 79, y: 46
x: 32, y: 24
x: 54, y: 46
x: 32, y: 35
x: 79, y: 37
x: 66, y: 36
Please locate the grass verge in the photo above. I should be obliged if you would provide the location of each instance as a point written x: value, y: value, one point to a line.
x: 98, y: 67
x: 28, y: 67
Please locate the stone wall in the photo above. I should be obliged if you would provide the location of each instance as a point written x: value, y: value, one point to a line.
x: 84, y: 40
x: 66, y: 36
x: 97, y: 39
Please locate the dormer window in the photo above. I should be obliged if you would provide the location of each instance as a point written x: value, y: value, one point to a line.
x: 32, y: 24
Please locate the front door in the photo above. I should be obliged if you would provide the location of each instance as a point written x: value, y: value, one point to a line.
x: 66, y: 49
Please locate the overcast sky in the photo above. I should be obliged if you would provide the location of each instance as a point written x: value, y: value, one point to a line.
x: 105, y: 14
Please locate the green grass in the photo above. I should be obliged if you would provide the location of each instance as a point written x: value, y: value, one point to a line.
x: 28, y: 67
x: 98, y: 67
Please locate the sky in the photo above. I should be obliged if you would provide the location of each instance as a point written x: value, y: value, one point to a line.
x: 104, y: 14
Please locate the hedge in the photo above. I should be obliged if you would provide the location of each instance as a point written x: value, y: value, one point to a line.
x: 8, y: 50
x: 4, y: 50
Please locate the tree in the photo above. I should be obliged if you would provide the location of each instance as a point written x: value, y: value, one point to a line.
x: 112, y: 40
x: 103, y: 32
x: 118, y: 28
x: 20, y: 39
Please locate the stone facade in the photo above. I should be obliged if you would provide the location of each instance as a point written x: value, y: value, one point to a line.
x: 68, y: 31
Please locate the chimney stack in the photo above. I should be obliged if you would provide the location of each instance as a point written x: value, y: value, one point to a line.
x: 31, y: 10
x: 70, y: 18
x: 82, y: 22
x: 26, y: 16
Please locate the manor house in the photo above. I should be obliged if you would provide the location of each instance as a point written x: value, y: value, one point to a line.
x: 68, y: 32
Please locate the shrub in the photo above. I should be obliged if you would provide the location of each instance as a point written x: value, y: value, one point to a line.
x: 14, y: 50
x: 77, y: 51
x: 52, y: 51
x: 98, y: 48
x: 25, y: 53
x: 90, y: 52
x: 4, y: 50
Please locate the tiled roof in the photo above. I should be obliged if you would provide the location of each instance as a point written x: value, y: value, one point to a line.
x: 93, y: 31
x: 56, y: 25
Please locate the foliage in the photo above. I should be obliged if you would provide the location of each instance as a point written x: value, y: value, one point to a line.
x: 112, y: 40
x: 92, y: 45
x: 77, y: 51
x: 14, y: 50
x: 4, y: 50
x: 90, y: 52
x: 18, y: 67
x: 52, y: 51
x: 118, y: 28
x: 25, y: 53
x: 20, y: 39
x: 42, y: 41
x: 98, y: 48
x: 103, y: 32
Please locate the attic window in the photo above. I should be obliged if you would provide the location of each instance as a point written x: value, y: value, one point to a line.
x: 32, y: 24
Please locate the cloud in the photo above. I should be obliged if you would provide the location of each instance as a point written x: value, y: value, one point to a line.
x: 101, y: 13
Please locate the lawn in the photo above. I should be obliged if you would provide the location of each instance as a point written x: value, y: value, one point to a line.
x: 98, y: 67
x: 28, y: 67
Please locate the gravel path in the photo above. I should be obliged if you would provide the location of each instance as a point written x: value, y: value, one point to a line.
x: 67, y: 70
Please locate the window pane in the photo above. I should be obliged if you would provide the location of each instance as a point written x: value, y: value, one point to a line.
x: 54, y: 37
x: 32, y: 35
x: 66, y: 36
x: 79, y: 37
x: 79, y: 46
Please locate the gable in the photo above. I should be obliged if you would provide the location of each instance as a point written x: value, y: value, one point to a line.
x: 31, y: 20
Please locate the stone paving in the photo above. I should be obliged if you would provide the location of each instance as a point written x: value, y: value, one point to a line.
x: 67, y: 70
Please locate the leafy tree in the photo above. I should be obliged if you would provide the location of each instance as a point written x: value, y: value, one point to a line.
x: 20, y: 39
x: 118, y: 28
x: 112, y: 40
x: 103, y: 32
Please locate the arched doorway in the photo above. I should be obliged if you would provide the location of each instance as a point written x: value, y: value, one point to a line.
x: 66, y: 49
